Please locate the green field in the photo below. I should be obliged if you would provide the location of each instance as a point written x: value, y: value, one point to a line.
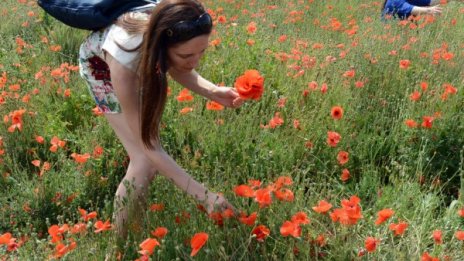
x: 399, y: 85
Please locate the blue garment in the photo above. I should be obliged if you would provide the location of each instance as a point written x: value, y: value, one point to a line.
x: 402, y: 8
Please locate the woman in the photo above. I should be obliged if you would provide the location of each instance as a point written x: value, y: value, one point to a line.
x: 404, y: 8
x: 125, y: 66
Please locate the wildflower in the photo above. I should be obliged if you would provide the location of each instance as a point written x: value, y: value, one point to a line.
x: 148, y: 246
x: 56, y: 232
x: 437, y: 237
x: 251, y: 28
x: 97, y: 151
x: 184, y: 95
x: 215, y: 42
x: 349, y: 74
x: 87, y: 216
x: 80, y: 158
x: 404, y: 64
x: 244, y: 191
x: 284, y: 194
x: 343, y: 157
x: 283, y: 181
x: 97, y: 111
x: 424, y: 86
x: 459, y: 235
x: 411, y: 123
x: 300, y: 218
x: 250, y: 85
x: 102, y: 226
x: 261, y: 232
x: 276, y: 121
x: 160, y: 232
x: 371, y: 244
x: 62, y: 249
x: 461, y: 212
x: 345, y: 176
x: 5, y: 238
x: 333, y: 138
x: 322, y: 207
x: 214, y: 106
x: 383, y: 215
x: 56, y: 143
x: 282, y: 38
x: 289, y: 228
x: 336, y: 112
x: 426, y: 257
x: 197, y: 242
x: 427, y: 122
x: 349, y: 213
x: 186, y: 110
x: 415, y: 96
x: 399, y: 228
x: 78, y: 228
x: 263, y: 197
x: 157, y: 207
x: 324, y: 88
x: 250, y: 220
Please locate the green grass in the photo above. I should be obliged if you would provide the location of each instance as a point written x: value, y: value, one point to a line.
x: 417, y: 172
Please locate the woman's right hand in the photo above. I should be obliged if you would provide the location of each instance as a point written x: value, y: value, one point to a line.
x: 216, y: 202
x: 435, y: 10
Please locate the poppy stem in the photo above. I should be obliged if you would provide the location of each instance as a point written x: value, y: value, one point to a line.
x: 461, y: 190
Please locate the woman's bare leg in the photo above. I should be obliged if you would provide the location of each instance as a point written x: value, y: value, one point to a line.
x: 130, y: 198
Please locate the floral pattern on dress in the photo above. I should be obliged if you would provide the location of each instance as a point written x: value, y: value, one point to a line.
x: 97, y: 74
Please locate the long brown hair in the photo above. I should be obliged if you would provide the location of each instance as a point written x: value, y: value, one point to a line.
x: 154, y: 65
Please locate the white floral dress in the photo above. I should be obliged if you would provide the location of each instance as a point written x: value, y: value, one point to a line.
x: 95, y: 70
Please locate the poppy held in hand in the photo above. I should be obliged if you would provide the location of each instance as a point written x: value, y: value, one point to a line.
x: 250, y: 85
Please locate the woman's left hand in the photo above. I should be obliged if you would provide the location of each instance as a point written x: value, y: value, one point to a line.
x: 227, y: 96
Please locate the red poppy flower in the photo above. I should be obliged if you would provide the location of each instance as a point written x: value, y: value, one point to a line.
x: 427, y: 122
x: 322, y: 207
x: 343, y: 157
x: 250, y: 220
x: 157, y: 207
x: 415, y: 96
x: 333, y: 138
x: 102, y: 226
x: 250, y: 85
x: 197, y: 242
x: 437, y: 237
x: 404, y: 64
x: 289, y: 228
x: 411, y: 123
x: 87, y: 216
x: 214, y: 106
x: 284, y: 194
x: 459, y: 235
x: 399, y: 228
x: 336, y: 112
x: 345, y: 175
x: 160, y: 232
x: 383, y: 215
x: 371, y: 244
x: 244, y: 191
x: 184, y: 95
x: 261, y: 232
x: 148, y: 246
x: 300, y: 218
x: 263, y: 197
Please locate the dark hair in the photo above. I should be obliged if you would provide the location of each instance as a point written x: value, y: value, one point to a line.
x: 154, y: 65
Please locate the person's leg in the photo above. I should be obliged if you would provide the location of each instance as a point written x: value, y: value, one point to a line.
x: 130, y: 198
